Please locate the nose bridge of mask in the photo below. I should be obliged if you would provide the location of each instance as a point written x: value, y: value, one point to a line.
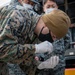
x: 49, y: 10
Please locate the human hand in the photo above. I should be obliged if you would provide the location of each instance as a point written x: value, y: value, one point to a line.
x: 44, y: 47
x: 49, y: 63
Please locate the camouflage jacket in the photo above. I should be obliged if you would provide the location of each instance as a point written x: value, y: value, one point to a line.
x: 16, y: 32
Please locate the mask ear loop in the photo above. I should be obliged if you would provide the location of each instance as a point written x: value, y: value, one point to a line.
x: 42, y: 29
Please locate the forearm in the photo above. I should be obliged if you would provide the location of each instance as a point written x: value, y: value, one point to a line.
x: 17, y: 53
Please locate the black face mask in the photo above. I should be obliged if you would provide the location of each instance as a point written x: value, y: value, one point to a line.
x: 45, y: 37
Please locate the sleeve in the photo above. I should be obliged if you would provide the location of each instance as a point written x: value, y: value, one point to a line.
x: 34, y: 17
x: 58, y: 46
x: 62, y: 44
x: 67, y: 40
x: 10, y: 49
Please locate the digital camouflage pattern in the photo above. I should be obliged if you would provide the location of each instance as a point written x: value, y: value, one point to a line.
x: 14, y: 69
x: 16, y: 32
x: 60, y: 47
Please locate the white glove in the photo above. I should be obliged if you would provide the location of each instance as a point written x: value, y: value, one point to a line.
x: 44, y: 47
x: 49, y: 63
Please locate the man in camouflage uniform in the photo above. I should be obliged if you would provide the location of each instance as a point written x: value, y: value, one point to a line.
x: 14, y: 69
x: 16, y: 33
x: 13, y: 35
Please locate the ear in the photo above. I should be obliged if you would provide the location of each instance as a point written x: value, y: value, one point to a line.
x: 53, y: 36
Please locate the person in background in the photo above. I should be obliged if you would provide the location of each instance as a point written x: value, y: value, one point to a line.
x: 49, y: 5
x: 60, y: 46
x: 33, y: 5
